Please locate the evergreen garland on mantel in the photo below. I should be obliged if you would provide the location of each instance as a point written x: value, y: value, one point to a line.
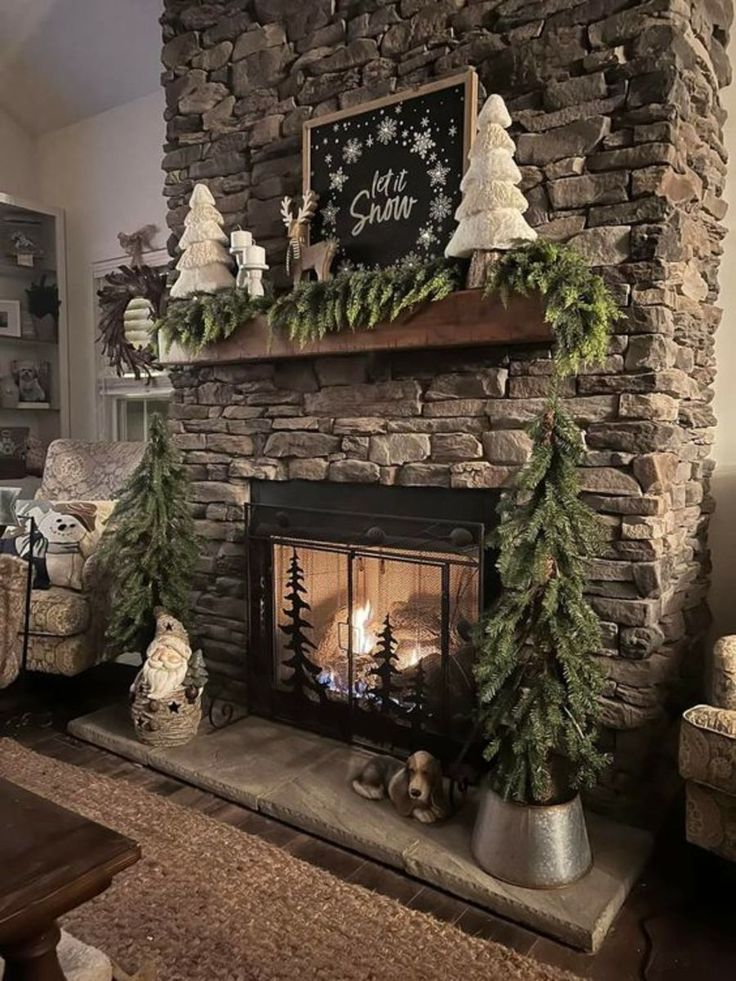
x: 349, y: 301
x: 360, y: 300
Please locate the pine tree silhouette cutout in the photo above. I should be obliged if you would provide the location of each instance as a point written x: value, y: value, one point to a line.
x: 415, y: 699
x: 304, y: 670
x: 385, y: 671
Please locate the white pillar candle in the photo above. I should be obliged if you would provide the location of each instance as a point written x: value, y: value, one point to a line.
x: 255, y: 255
x: 240, y: 239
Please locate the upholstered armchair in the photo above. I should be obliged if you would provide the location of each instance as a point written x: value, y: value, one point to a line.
x: 67, y: 626
x: 708, y: 758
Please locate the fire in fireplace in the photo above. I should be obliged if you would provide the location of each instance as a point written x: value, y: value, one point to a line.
x: 362, y: 620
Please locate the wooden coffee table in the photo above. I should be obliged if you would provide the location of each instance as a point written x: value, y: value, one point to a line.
x: 51, y: 860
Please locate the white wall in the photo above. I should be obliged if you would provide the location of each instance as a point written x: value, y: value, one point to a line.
x: 723, y: 524
x: 105, y: 172
x: 18, y: 159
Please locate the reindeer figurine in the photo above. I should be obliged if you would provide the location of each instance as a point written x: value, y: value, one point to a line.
x: 301, y: 257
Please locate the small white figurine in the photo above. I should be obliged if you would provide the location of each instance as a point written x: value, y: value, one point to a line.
x: 251, y: 260
x: 24, y: 249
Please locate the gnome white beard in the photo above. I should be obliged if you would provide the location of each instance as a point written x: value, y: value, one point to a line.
x: 164, y: 673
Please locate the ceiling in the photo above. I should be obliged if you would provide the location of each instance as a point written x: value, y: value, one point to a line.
x: 64, y: 60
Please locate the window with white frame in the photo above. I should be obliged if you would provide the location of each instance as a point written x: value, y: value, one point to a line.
x: 125, y: 404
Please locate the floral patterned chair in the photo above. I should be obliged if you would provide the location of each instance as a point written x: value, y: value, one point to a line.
x: 67, y: 626
x: 708, y: 758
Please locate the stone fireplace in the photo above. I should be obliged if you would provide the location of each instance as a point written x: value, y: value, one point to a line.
x: 617, y: 120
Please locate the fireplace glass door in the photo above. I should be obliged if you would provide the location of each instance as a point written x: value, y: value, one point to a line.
x: 362, y: 626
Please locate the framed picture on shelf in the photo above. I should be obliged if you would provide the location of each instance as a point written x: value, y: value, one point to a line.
x: 387, y: 173
x: 9, y: 318
x: 33, y: 381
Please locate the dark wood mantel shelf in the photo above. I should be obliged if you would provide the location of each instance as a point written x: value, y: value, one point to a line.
x: 462, y: 319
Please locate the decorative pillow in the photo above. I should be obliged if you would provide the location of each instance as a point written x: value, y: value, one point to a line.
x: 66, y: 535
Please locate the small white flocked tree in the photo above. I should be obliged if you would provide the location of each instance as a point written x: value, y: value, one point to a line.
x: 491, y: 214
x: 204, y: 266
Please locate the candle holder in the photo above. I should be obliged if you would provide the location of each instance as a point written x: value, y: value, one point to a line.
x: 251, y: 260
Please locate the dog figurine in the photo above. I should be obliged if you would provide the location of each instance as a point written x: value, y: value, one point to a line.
x: 415, y: 788
x: 27, y: 379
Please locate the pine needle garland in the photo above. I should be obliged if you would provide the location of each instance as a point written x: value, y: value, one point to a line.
x: 538, y: 683
x: 360, y: 300
x: 150, y: 549
x: 578, y: 305
x: 207, y: 318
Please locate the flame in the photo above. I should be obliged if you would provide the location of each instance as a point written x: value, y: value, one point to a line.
x: 363, y: 640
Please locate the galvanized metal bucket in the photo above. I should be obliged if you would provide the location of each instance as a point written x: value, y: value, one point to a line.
x: 535, y: 846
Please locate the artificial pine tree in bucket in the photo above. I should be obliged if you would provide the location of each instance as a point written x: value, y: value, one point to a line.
x: 538, y: 683
x: 538, y: 680
x: 151, y: 549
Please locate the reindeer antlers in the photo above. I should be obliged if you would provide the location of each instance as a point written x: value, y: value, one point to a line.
x: 307, y: 210
x: 305, y: 213
x: 286, y: 211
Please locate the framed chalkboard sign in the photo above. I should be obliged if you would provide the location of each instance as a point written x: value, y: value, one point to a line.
x: 388, y: 173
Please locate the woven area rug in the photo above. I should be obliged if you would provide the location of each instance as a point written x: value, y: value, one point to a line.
x: 208, y: 901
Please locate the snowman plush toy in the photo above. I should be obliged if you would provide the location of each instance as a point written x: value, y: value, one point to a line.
x: 57, y: 554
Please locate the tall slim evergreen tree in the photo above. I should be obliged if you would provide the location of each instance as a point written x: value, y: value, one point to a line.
x: 151, y: 549
x: 538, y: 683
x: 385, y: 670
x: 304, y: 669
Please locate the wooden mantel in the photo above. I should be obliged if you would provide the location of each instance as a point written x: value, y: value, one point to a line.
x: 463, y: 319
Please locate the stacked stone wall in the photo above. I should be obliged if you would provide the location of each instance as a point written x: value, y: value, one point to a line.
x: 619, y: 131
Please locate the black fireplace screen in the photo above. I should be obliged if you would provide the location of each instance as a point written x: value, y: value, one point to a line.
x: 361, y: 625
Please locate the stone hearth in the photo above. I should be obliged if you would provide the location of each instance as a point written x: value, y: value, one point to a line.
x: 617, y: 121
x: 304, y: 780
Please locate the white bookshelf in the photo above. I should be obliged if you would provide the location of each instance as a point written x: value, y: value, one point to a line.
x: 45, y: 226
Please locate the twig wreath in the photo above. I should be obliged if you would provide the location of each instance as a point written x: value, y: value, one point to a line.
x: 122, y: 286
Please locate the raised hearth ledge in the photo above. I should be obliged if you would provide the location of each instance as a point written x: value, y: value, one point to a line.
x: 303, y: 780
x: 463, y: 319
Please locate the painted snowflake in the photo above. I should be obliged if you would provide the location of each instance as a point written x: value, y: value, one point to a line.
x: 423, y: 144
x: 328, y: 159
x: 346, y: 265
x: 410, y: 259
x: 352, y: 151
x: 426, y: 237
x: 438, y: 174
x: 338, y: 178
x: 440, y: 207
x: 387, y: 130
x: 329, y: 213
x: 369, y: 141
x: 452, y: 130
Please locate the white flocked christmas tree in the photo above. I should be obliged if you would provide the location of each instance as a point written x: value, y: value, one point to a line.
x: 204, y: 266
x: 491, y: 214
